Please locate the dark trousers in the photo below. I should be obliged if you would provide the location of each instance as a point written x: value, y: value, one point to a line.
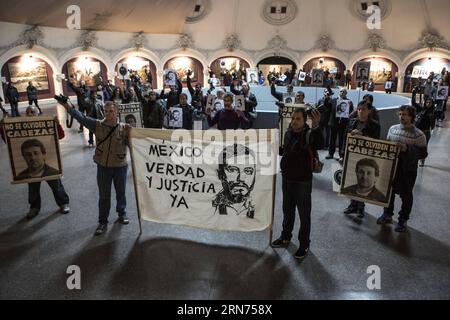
x: 91, y: 137
x: 14, y: 109
x: 34, y: 193
x: 337, y: 131
x: 326, y: 132
x: 358, y: 205
x: 297, y: 195
x: 403, y: 186
x: 105, y: 177
x: 30, y: 102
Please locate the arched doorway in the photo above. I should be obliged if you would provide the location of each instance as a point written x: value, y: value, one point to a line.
x: 182, y: 64
x: 226, y: 68
x: 278, y: 66
x: 19, y: 70
x: 144, y: 68
x: 422, y: 68
x: 84, y: 68
x: 335, y: 69
x: 381, y: 69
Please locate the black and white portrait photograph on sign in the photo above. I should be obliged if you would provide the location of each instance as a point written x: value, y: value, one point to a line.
x: 342, y: 108
x: 237, y: 173
x: 252, y: 76
x: 22, y: 73
x: 131, y: 113
x: 170, y: 77
x: 239, y: 103
x: 442, y: 93
x: 34, y: 153
x: 122, y: 71
x: 369, y: 168
x: 317, y: 77
x: 302, y: 76
x: 176, y: 117
x: 362, y: 70
x: 210, y: 101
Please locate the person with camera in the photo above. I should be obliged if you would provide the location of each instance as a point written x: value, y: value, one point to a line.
x: 94, y: 109
x: 362, y: 125
x: 297, y: 165
x: 110, y: 157
x: 250, y: 101
x: 325, y: 105
x: 82, y: 93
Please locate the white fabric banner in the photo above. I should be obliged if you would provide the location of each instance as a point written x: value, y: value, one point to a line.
x: 182, y: 177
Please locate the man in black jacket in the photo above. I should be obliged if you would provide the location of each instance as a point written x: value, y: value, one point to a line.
x: 198, y: 99
x: 362, y: 125
x: 32, y: 94
x: 250, y: 101
x: 83, y: 94
x: 13, y: 98
x: 187, y: 110
x: 301, y: 143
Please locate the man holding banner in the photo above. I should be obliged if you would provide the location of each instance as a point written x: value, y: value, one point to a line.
x: 366, y: 171
x: 300, y: 143
x: 111, y: 159
x: 413, y: 146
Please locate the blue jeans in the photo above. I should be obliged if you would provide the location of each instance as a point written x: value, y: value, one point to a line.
x: 34, y: 193
x: 297, y: 195
x: 106, y: 176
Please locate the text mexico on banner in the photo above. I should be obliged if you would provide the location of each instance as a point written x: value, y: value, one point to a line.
x: 33, y: 149
x: 182, y: 177
x: 369, y: 168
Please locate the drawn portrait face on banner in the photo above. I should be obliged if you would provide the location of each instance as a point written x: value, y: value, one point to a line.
x: 237, y: 173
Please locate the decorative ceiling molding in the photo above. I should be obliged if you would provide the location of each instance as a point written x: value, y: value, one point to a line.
x: 279, y: 12
x: 32, y: 36
x: 185, y: 41
x: 324, y: 43
x: 138, y: 41
x: 277, y: 43
x: 87, y: 39
x: 431, y: 39
x: 375, y: 41
x: 232, y: 42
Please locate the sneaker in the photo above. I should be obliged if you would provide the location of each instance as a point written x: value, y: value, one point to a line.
x: 301, y: 253
x: 32, y: 213
x: 401, y: 226
x: 91, y: 145
x: 350, y: 210
x: 384, y: 219
x: 328, y: 157
x: 341, y: 161
x: 421, y: 163
x: 102, y: 227
x: 280, y: 242
x: 123, y: 220
x: 64, y: 209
